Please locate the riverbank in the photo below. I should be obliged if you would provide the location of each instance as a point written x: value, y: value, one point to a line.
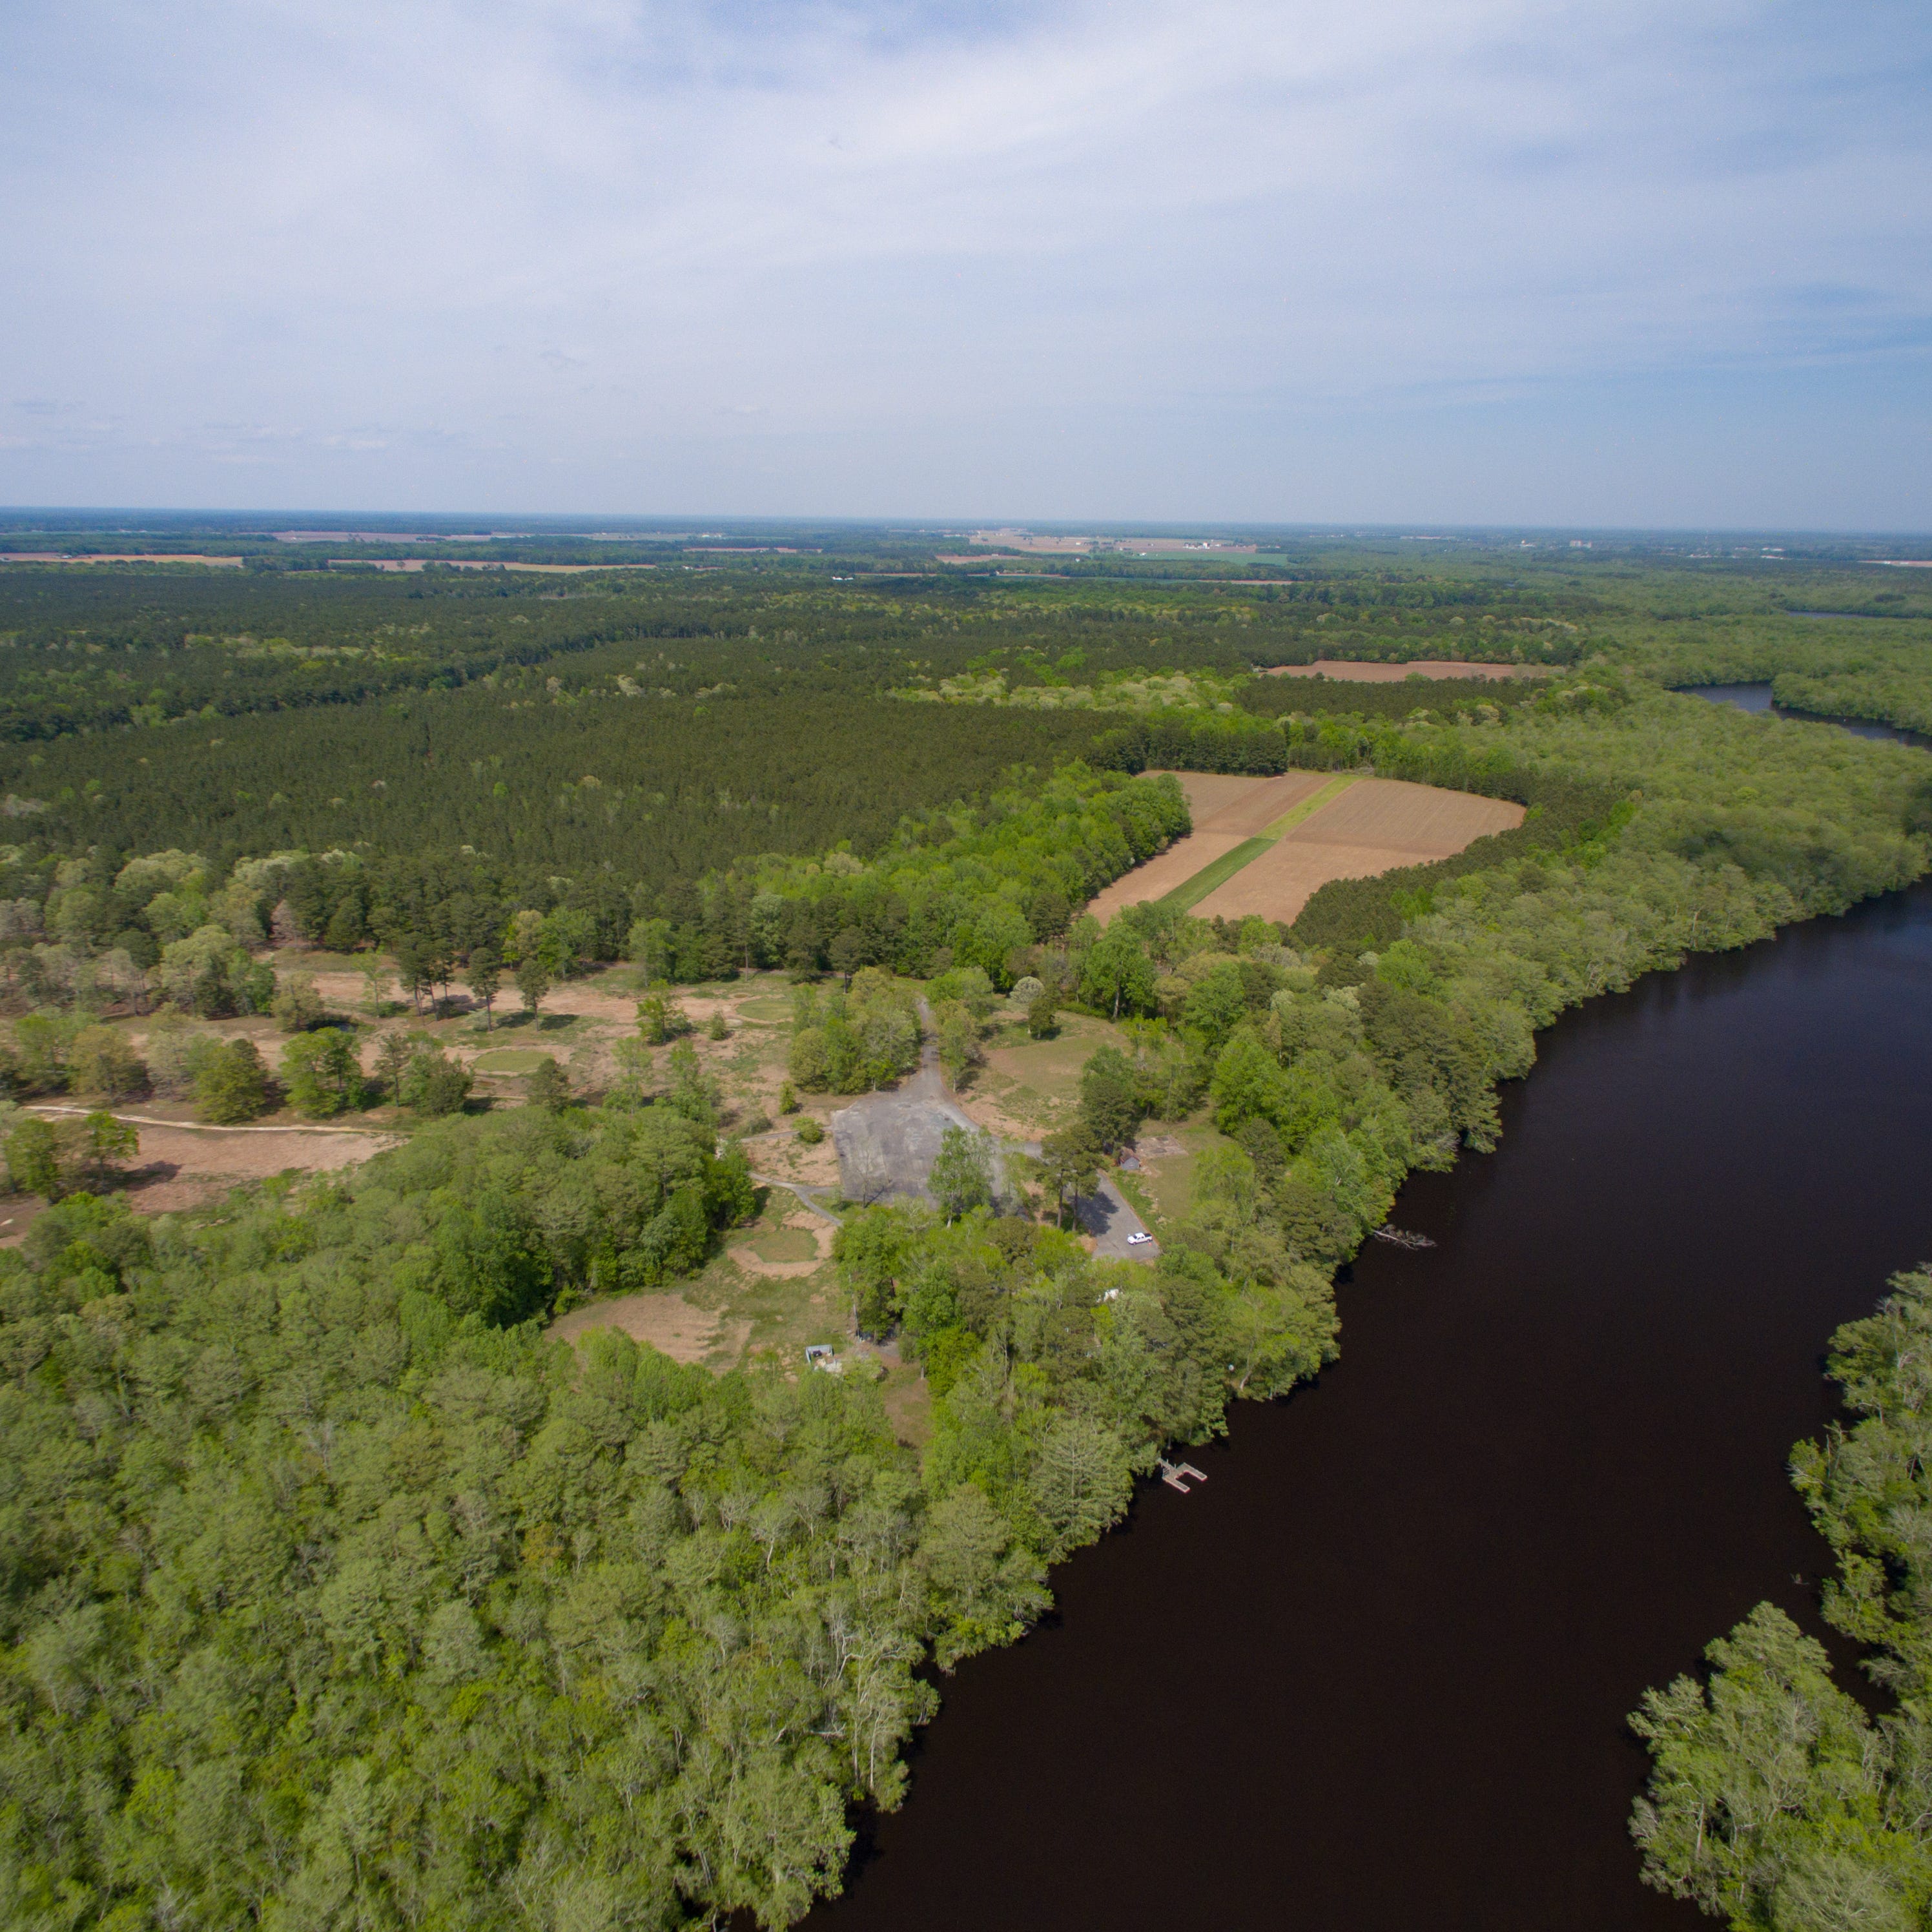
x: 1373, y: 1674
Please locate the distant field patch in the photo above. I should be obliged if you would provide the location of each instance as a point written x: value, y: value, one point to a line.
x: 1349, y: 671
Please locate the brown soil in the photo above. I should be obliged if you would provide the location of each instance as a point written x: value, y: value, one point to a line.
x: 1375, y: 825
x: 1264, y: 801
x: 1209, y: 792
x: 1174, y: 867
x: 1351, y: 672
x: 667, y: 1322
x: 181, y: 1167
x: 1226, y: 810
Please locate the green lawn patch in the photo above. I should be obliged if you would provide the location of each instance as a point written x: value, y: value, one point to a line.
x: 767, y: 1009
x: 1193, y: 891
x: 510, y: 1059
x: 784, y: 1244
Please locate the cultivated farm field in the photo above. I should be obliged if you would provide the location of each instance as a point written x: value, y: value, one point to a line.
x: 1322, y: 828
x: 1375, y: 825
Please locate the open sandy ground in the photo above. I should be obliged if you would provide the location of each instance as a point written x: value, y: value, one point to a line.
x: 1352, y: 672
x: 667, y: 1322
x: 1375, y: 825
x: 177, y: 1167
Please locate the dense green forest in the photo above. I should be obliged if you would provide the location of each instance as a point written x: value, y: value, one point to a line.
x: 330, y: 1591
x: 1777, y: 1800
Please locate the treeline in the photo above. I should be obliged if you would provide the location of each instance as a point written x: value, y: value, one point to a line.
x: 637, y: 798
x: 1777, y: 1801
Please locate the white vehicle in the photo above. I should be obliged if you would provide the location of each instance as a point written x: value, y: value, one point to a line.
x: 1135, y: 1241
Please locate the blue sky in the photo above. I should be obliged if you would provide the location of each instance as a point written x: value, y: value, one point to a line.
x: 1315, y: 260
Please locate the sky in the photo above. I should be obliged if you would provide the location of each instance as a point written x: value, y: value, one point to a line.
x: 1575, y: 262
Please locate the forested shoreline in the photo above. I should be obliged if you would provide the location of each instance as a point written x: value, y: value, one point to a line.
x: 331, y: 1589
x: 1777, y: 1800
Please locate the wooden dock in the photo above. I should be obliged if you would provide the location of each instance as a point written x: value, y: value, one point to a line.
x: 1176, y: 1475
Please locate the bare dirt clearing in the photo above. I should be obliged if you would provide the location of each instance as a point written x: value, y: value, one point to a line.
x: 1375, y: 825
x: 178, y: 1168
x: 1352, y: 671
x: 668, y: 1322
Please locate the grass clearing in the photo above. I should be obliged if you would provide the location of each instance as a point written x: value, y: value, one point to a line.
x: 765, y: 1009
x: 784, y: 1244
x: 510, y: 1059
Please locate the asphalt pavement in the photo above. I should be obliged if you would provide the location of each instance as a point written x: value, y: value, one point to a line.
x: 1106, y: 1215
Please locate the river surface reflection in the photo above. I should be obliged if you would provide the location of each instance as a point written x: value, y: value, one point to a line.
x: 1757, y: 698
x: 1374, y: 1674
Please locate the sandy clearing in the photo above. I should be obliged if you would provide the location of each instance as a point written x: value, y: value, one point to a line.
x: 1351, y: 671
x: 667, y: 1322
x: 1161, y: 874
x: 178, y: 1168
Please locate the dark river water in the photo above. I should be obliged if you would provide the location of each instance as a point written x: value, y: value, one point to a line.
x: 1757, y: 697
x: 1373, y: 1677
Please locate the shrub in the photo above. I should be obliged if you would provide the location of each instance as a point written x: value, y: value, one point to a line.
x: 102, y: 1061
x: 297, y: 1006
x: 230, y: 1084
x: 810, y: 1131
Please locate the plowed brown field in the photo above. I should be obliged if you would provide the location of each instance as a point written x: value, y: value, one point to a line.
x: 1375, y: 825
x: 1353, y: 672
x: 1226, y: 810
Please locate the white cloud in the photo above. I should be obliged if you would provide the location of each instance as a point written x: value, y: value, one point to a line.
x: 609, y: 222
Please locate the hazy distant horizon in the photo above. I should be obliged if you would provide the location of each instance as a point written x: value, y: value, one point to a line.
x: 339, y: 521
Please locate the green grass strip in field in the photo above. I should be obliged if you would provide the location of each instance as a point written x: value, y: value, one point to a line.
x: 1308, y: 807
x: 1191, y: 892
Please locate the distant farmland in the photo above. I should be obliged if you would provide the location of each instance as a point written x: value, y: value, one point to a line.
x: 1304, y: 829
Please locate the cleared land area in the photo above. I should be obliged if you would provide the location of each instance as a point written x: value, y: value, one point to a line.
x: 1228, y: 811
x: 1353, y: 828
x: 1375, y: 825
x: 1352, y: 671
